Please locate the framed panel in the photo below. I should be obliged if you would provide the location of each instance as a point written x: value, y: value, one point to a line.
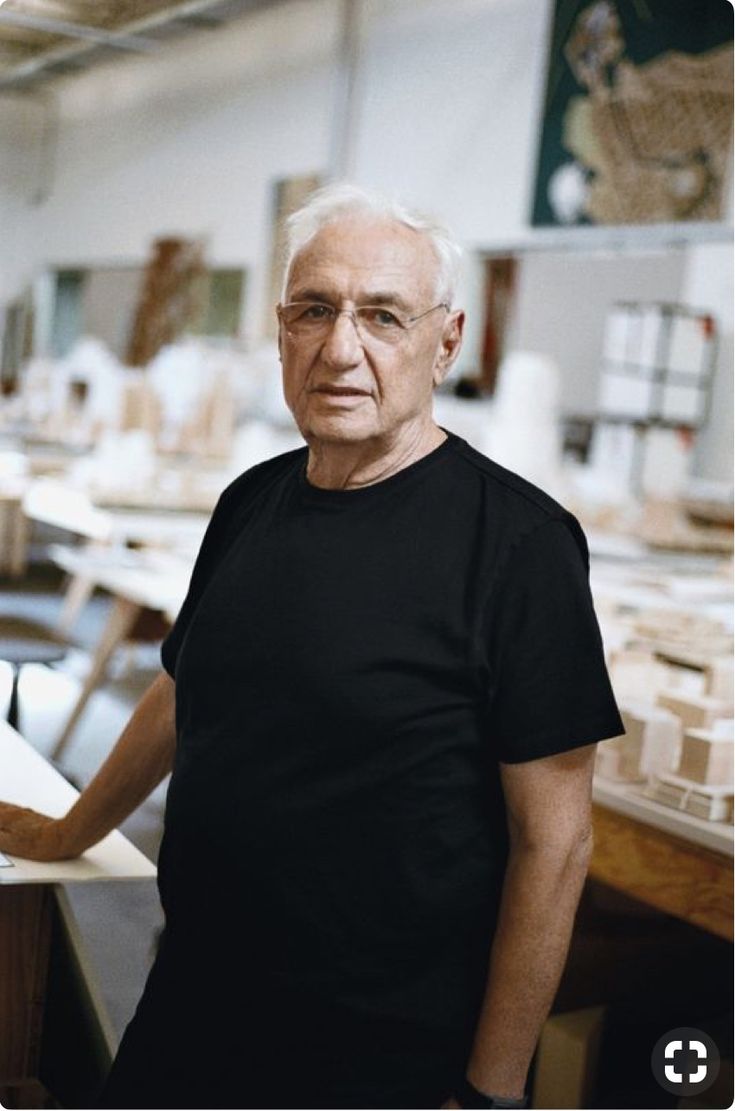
x: 637, y: 119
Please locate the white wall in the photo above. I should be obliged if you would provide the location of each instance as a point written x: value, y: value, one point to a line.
x: 708, y: 285
x: 451, y: 100
x: 21, y: 123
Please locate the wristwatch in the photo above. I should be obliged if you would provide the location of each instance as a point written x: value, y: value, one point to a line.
x: 467, y: 1095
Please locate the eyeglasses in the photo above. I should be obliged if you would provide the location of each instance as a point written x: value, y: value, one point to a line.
x: 313, y: 320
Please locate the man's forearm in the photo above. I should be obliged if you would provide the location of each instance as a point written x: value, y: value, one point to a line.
x: 139, y: 761
x: 137, y: 764
x: 540, y: 896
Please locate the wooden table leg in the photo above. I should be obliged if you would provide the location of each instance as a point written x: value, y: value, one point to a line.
x: 78, y: 593
x: 79, y: 590
x: 119, y: 623
x: 20, y: 540
x: 25, y: 929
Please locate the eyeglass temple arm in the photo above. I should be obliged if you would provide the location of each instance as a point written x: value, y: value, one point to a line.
x: 441, y: 305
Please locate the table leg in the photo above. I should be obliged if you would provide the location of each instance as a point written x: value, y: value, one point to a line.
x: 78, y: 593
x: 119, y: 623
x: 20, y: 539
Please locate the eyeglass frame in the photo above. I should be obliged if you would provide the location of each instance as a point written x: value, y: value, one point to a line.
x: 405, y: 325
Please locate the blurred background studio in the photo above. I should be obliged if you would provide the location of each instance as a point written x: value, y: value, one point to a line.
x: 581, y: 150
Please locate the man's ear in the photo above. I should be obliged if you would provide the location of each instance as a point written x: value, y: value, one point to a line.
x: 278, y: 333
x: 449, y: 348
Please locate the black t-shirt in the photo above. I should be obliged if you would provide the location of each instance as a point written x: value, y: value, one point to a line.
x: 351, y: 667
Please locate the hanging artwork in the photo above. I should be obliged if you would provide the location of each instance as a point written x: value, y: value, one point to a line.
x: 171, y: 299
x: 637, y: 120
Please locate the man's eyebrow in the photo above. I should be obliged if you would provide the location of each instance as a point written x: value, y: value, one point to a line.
x: 310, y: 295
x: 385, y: 297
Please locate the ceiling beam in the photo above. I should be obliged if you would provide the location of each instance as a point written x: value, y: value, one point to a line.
x: 25, y: 72
x: 97, y: 35
x: 206, y: 22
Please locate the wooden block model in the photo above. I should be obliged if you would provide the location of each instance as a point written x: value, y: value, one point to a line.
x: 719, y: 682
x: 650, y: 744
x: 694, y: 711
x: 684, y: 680
x: 706, y: 757
x: 607, y: 759
x: 699, y: 642
x: 676, y: 624
x: 669, y: 632
x: 716, y: 670
x: 566, y: 1060
x: 210, y: 430
x: 713, y: 803
x: 140, y: 406
x: 635, y: 673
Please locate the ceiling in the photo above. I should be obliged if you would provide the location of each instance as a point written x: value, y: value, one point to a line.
x: 42, y: 39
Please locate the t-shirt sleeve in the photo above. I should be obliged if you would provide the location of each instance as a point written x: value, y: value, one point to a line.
x: 551, y: 690
x: 213, y: 546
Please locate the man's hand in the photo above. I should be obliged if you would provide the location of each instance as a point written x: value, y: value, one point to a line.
x: 26, y: 833
x: 140, y: 760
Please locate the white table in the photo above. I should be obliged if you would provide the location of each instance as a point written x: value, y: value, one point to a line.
x: 57, y: 503
x: 140, y: 582
x: 32, y: 936
x: 105, y: 526
x: 27, y: 779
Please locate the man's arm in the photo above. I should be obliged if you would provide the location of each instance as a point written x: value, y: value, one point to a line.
x: 549, y: 818
x: 139, y: 761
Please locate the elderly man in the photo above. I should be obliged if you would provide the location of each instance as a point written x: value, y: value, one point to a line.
x: 380, y: 704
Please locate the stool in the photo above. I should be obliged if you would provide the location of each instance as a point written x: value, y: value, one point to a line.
x: 26, y: 642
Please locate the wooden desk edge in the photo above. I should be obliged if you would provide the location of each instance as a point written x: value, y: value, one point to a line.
x: 665, y: 871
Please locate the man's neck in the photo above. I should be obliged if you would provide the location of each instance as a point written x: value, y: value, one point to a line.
x: 349, y: 466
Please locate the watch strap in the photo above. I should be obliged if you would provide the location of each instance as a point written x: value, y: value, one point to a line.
x: 467, y: 1095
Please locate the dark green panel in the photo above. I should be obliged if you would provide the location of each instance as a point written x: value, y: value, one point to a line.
x: 649, y: 29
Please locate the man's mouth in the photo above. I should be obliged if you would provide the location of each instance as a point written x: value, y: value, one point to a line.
x: 341, y: 391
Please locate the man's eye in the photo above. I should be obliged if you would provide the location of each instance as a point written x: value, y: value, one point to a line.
x: 315, y: 312
x: 381, y: 318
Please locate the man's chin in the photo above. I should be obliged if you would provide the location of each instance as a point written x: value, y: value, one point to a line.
x: 343, y: 428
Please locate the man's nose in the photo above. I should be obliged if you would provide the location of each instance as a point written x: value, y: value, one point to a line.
x: 343, y: 346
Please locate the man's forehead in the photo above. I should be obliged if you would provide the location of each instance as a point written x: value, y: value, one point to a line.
x: 367, y: 255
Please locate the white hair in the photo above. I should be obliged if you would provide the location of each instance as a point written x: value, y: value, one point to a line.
x: 333, y: 202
